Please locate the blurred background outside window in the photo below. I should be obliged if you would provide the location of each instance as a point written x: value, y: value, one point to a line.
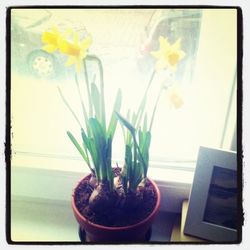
x: 123, y: 39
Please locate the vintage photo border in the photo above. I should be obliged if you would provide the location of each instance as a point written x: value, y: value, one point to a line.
x: 5, y: 175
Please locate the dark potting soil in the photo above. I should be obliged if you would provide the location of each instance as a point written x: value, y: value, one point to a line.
x: 115, y: 215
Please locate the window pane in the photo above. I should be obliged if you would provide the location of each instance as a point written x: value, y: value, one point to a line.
x: 123, y: 39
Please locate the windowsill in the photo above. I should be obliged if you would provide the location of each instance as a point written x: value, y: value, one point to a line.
x: 54, y: 179
x: 45, y: 160
x: 169, y: 173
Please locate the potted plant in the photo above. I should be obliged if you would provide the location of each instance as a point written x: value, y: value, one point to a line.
x: 111, y: 204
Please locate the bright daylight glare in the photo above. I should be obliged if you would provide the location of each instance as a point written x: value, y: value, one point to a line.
x: 198, y: 109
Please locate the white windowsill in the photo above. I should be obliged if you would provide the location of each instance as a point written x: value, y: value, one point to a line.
x: 47, y: 178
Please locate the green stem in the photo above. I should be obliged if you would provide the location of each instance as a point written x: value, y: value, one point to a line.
x: 150, y: 81
x: 102, y: 94
x: 82, y: 103
x: 88, y: 89
x: 102, y: 103
x: 68, y: 106
x: 142, y: 104
x: 141, y: 157
x: 155, y: 107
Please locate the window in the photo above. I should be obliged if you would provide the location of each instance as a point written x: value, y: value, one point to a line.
x: 206, y: 78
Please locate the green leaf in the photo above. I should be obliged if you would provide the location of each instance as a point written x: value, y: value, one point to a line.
x: 110, y: 175
x: 97, y: 131
x: 125, y: 183
x: 108, y: 151
x: 96, y: 99
x: 138, y: 174
x: 141, y: 138
x: 102, y: 102
x: 117, y: 107
x: 128, y: 125
x: 100, y: 145
x: 128, y: 139
x: 148, y: 139
x: 128, y: 160
x: 95, y: 158
x: 144, y: 148
x: 77, y: 145
x: 136, y: 177
x: 85, y: 139
x: 140, y: 153
x: 98, y: 136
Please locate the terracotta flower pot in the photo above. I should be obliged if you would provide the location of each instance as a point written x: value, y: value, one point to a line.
x: 131, y: 233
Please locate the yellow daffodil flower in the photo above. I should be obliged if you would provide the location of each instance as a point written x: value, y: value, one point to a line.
x: 76, y: 50
x: 168, y: 54
x: 175, y: 97
x: 51, y: 38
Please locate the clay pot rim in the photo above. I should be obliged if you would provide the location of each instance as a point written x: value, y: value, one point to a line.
x: 149, y: 217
